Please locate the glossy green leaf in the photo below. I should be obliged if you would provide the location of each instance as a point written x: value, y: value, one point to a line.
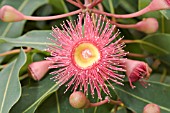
x: 59, y: 5
x: 10, y: 90
x: 157, y: 44
x: 34, y: 94
x: 160, y: 78
x: 50, y: 103
x: 136, y: 99
x: 34, y: 39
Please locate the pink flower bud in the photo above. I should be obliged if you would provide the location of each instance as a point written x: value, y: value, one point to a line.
x: 10, y: 14
x: 37, y: 70
x: 148, y: 25
x: 151, y: 108
x: 137, y: 70
x: 78, y: 100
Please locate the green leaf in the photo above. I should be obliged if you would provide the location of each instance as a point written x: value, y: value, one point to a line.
x: 34, y: 94
x: 166, y: 13
x: 59, y: 103
x: 129, y: 5
x: 49, y: 103
x: 27, y: 7
x: 165, y: 59
x: 109, y: 4
x: 15, y: 29
x: 35, y: 39
x: 157, y: 44
x: 160, y: 77
x: 121, y: 110
x: 136, y: 99
x: 63, y: 105
x: 60, y: 6
x: 10, y: 90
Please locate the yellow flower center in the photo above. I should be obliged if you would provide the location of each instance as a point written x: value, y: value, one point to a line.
x: 86, y: 54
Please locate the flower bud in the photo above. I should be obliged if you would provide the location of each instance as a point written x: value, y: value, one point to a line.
x: 37, y: 70
x: 10, y: 14
x: 136, y: 70
x: 151, y: 108
x: 148, y: 25
x: 78, y: 100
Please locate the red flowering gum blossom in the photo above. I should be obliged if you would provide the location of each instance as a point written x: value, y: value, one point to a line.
x: 10, y: 14
x: 37, y: 70
x: 137, y: 70
x: 151, y: 108
x: 86, y: 55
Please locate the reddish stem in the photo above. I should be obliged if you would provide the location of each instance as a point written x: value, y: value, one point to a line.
x: 14, y: 51
x: 99, y: 103
x: 52, y: 17
x: 74, y: 3
x: 137, y: 55
x: 79, y: 2
x: 139, y: 13
x: 143, y: 11
x: 100, y: 7
x: 123, y: 25
x: 153, y: 6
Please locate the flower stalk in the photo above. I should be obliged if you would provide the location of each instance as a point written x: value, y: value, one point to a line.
x: 147, y: 25
x: 10, y: 14
x: 28, y: 49
x: 153, y: 6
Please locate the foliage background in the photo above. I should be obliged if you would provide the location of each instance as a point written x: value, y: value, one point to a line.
x: 19, y: 95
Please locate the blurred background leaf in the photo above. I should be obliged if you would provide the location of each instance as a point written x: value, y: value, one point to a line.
x: 10, y: 90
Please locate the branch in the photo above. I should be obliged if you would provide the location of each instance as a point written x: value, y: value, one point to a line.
x: 14, y: 52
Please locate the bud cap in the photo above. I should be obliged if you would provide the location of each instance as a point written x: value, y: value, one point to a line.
x: 10, y: 14
x: 151, y: 108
